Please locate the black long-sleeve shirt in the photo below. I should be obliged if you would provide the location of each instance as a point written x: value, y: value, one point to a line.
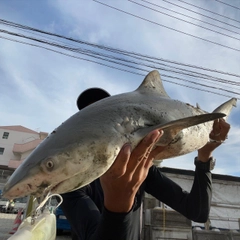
x: 89, y: 219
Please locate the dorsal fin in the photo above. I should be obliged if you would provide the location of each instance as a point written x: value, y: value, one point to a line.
x: 153, y: 83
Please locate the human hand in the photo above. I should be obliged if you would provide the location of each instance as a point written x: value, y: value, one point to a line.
x: 217, y: 136
x: 122, y: 181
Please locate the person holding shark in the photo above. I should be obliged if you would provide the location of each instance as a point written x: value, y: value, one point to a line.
x: 111, y: 206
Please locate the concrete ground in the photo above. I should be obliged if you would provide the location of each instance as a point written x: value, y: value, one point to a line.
x: 6, y: 226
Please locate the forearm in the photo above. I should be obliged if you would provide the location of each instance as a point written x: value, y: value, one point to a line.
x: 199, y: 199
x: 194, y: 205
x: 82, y: 214
x: 113, y: 226
x: 87, y: 221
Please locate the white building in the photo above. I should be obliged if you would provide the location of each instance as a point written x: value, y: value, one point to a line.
x: 161, y: 222
x: 16, y: 143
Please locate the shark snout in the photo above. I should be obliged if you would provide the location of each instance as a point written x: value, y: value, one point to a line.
x: 16, y: 191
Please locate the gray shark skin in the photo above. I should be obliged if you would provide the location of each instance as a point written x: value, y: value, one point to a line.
x: 84, y: 147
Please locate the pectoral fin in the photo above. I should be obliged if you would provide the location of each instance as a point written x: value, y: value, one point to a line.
x: 171, y: 129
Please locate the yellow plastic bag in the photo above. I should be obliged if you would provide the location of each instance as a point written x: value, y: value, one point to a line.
x: 43, y: 228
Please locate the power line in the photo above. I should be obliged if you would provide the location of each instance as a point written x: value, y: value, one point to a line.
x: 108, y: 48
x: 170, y: 28
x: 228, y: 4
x: 204, y: 85
x: 187, y: 21
x: 122, y: 63
x: 144, y: 64
x: 209, y: 11
x: 120, y: 69
x: 200, y: 14
x: 136, y: 56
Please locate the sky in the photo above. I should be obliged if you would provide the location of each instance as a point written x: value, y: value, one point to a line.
x: 40, y: 84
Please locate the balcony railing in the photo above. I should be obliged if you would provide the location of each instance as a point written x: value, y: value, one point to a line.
x: 25, y: 147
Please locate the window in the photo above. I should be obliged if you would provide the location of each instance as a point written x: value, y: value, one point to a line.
x: 1, y: 151
x: 5, y: 135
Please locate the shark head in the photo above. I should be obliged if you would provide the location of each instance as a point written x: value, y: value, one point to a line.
x: 58, y: 167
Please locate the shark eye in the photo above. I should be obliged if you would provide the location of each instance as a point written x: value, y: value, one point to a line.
x: 49, y: 164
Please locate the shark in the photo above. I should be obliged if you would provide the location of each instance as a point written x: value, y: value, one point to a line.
x: 84, y: 147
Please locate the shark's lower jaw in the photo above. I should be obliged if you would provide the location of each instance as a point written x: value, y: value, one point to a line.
x: 56, y: 187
